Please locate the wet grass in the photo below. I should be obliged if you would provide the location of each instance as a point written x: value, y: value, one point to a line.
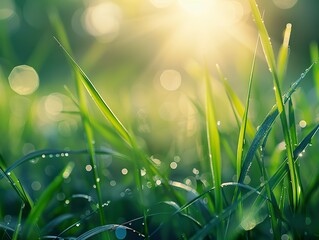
x: 82, y: 197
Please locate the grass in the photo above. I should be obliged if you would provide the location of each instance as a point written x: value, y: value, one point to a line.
x: 82, y: 197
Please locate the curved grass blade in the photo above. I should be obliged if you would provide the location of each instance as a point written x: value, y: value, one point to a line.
x: 50, y: 153
x: 56, y: 222
x: 98, y: 100
x: 15, y: 183
x: 29, y: 230
x: 106, y: 228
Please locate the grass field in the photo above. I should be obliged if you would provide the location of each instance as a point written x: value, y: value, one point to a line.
x: 176, y: 147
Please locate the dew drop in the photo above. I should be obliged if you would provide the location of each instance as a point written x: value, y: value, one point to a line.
x: 158, y: 182
x: 98, y: 180
x: 195, y: 171
x: 124, y: 171
x: 94, y: 186
x: 88, y: 168
x: 173, y: 165
x: 302, y: 75
x: 67, y: 202
x: 43, y: 155
x: 66, y: 154
x: 77, y: 225
x: 120, y: 232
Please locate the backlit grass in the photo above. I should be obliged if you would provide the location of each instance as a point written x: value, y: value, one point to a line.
x: 251, y: 182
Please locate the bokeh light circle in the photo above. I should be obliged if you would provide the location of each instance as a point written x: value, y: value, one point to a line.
x: 285, y: 4
x: 102, y: 19
x: 24, y: 80
x: 170, y: 79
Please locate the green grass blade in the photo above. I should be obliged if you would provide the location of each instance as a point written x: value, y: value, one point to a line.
x: 292, y: 123
x: 29, y: 230
x: 314, y: 53
x: 213, y: 143
x: 282, y: 61
x: 214, y: 149
x: 98, y: 100
x: 15, y: 183
x: 245, y: 122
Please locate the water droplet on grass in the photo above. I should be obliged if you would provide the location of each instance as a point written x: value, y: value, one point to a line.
x: 124, y: 171
x: 77, y: 225
x: 173, y: 165
x: 195, y: 171
x: 88, y: 168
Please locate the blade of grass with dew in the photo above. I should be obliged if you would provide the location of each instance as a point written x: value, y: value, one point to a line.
x: 314, y: 53
x: 50, y: 153
x: 214, y: 149
x: 29, y: 229
x: 58, y: 26
x: 269, y: 55
x: 265, y: 127
x: 109, y: 227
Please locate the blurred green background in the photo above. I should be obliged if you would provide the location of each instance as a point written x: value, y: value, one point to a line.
x: 145, y: 57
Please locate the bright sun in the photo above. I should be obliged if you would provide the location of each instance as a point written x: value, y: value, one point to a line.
x: 198, y: 26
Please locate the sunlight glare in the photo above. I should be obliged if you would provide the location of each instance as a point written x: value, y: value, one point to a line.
x: 216, y: 12
x: 161, y: 3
